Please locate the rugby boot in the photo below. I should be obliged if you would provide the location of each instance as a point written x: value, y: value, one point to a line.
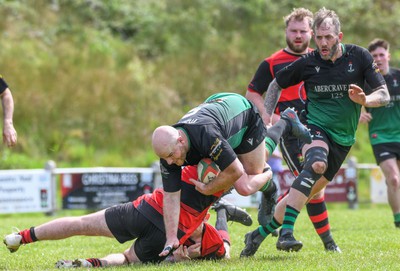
x: 297, y: 128
x: 73, y: 264
x: 288, y: 243
x: 252, y: 241
x: 332, y: 247
x: 233, y: 213
x: 12, y: 241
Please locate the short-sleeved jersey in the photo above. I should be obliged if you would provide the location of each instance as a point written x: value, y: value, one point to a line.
x: 293, y: 96
x: 385, y: 124
x: 3, y: 85
x: 214, y: 129
x: 327, y: 83
x: 193, y: 206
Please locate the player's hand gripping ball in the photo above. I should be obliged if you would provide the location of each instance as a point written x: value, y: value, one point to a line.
x: 207, y: 170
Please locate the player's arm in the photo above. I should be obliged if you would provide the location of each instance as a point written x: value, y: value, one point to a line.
x: 223, y: 181
x: 9, y: 133
x: 271, y: 99
x: 258, y: 101
x: 379, y: 97
x: 171, y: 208
x: 259, y: 85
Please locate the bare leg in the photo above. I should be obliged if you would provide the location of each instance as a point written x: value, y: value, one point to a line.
x: 90, y: 225
x: 390, y: 169
x: 128, y: 257
x: 254, y: 178
x: 281, y: 206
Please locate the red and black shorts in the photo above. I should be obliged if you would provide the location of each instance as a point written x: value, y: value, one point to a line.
x: 127, y: 223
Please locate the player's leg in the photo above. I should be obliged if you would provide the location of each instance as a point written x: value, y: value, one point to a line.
x: 127, y: 257
x: 251, y: 153
x: 60, y: 228
x: 254, y: 239
x: 390, y: 169
x: 126, y: 223
x: 316, y: 207
x: 288, y: 126
x: 255, y: 178
x: 116, y: 259
x: 315, y: 164
x: 318, y: 214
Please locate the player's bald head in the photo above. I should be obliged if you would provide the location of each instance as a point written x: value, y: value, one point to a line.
x: 164, y: 139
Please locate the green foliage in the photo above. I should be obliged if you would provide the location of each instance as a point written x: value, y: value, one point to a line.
x: 93, y: 78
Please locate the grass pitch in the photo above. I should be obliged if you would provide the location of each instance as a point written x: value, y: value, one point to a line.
x: 367, y: 237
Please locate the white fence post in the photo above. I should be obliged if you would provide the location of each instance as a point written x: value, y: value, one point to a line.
x: 351, y: 176
x: 51, y: 166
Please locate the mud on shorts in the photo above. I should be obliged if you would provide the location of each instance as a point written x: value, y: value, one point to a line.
x: 127, y: 223
x: 255, y: 133
x: 386, y: 151
x: 337, y: 153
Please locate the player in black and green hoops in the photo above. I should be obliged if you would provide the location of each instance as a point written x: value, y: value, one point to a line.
x: 228, y: 129
x: 298, y: 32
x: 332, y: 75
x: 384, y: 126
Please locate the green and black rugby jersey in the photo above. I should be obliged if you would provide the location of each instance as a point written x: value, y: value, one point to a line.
x: 385, y: 124
x: 214, y: 129
x: 327, y: 83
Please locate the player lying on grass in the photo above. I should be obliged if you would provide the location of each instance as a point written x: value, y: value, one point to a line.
x: 142, y: 220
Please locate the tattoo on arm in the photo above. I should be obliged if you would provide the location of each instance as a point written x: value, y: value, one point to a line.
x: 272, y: 97
x: 380, y: 97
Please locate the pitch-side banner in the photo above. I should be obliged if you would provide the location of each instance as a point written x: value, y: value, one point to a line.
x: 341, y: 189
x: 25, y: 191
x: 98, y: 190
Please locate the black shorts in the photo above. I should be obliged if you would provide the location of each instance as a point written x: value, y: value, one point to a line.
x: 127, y: 223
x: 337, y: 153
x: 255, y: 133
x: 291, y: 151
x: 386, y: 151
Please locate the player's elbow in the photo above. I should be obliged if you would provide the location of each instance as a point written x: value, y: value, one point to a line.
x: 385, y: 96
x: 386, y: 99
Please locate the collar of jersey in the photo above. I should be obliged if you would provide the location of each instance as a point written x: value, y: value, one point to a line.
x: 187, y: 136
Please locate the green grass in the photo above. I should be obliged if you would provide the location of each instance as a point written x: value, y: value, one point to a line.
x: 366, y: 236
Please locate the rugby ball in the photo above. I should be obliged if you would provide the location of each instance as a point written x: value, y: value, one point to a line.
x: 207, y: 170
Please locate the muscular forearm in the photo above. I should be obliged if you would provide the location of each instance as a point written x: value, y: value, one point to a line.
x: 171, y: 213
x: 271, y: 99
x: 225, y: 178
x: 380, y: 97
x: 8, y: 107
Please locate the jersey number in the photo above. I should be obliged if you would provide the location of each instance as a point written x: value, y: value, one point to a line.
x: 337, y: 95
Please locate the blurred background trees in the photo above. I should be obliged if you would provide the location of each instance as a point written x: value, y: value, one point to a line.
x: 91, y: 79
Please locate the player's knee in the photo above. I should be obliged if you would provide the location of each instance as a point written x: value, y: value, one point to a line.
x: 393, y: 182
x: 314, y: 166
x: 243, y: 190
x: 316, y: 160
x: 130, y: 256
x: 319, y: 167
x: 319, y: 195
